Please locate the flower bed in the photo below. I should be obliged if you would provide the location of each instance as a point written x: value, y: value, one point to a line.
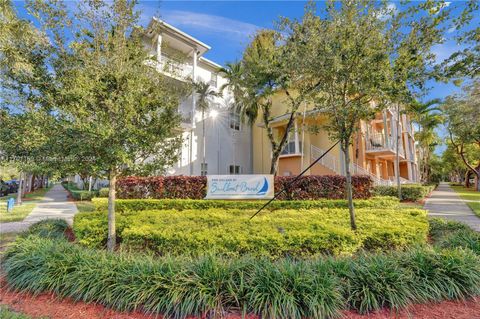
x: 194, y: 187
x: 210, y: 286
x: 275, y: 233
x: 101, y: 204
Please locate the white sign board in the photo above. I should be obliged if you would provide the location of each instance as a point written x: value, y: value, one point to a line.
x: 239, y: 187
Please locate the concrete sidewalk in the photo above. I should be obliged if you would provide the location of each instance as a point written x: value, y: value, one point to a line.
x: 445, y: 203
x: 54, y: 205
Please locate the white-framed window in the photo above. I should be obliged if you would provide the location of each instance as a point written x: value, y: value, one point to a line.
x: 213, y: 79
x: 290, y: 145
x: 235, y: 119
x: 234, y: 169
x: 204, y: 169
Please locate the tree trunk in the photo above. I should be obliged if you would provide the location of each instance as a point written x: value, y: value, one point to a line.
x: 111, y: 241
x: 25, y: 184
x: 351, y: 209
x: 203, y: 138
x: 20, y: 189
x: 274, y: 163
x: 467, y: 179
x: 90, y: 184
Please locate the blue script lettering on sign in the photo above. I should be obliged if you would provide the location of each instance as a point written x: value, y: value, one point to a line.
x: 239, y: 187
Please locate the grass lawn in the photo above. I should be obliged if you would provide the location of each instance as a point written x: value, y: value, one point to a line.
x: 20, y: 212
x: 471, y: 197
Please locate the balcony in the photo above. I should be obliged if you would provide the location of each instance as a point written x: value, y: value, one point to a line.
x: 172, y: 68
x: 379, y: 144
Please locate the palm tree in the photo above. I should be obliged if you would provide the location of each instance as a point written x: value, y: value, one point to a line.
x: 244, y: 102
x: 426, y: 117
x: 205, y: 93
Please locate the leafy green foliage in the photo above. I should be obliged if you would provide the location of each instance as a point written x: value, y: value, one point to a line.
x: 103, y: 192
x: 177, y: 287
x: 276, y: 233
x: 101, y: 204
x: 448, y: 234
x: 79, y: 194
x: 410, y: 192
x: 49, y: 228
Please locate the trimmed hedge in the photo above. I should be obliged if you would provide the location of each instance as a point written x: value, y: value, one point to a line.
x: 79, y: 194
x: 211, y: 286
x: 101, y: 204
x: 410, y: 192
x: 194, y: 187
x: 275, y: 234
x: 103, y: 192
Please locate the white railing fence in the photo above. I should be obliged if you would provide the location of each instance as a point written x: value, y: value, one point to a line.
x: 331, y: 162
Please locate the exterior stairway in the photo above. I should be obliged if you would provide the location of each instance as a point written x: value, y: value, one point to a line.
x: 332, y: 163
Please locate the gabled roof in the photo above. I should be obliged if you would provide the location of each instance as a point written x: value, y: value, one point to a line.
x: 156, y: 22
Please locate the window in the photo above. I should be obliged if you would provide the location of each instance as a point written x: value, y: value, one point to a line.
x: 213, y: 79
x: 235, y: 120
x: 204, y: 169
x: 234, y: 169
x: 290, y: 146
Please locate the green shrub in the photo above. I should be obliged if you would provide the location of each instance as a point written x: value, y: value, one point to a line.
x: 101, y: 204
x: 410, y: 192
x: 276, y: 233
x: 103, y: 192
x: 78, y: 194
x: 48, y: 228
x: 177, y: 287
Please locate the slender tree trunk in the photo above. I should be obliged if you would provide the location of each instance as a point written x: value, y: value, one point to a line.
x: 203, y: 138
x: 25, y: 183
x: 467, y: 179
x: 111, y: 241
x: 274, y: 163
x: 351, y: 208
x: 397, y: 155
x: 90, y: 184
x: 20, y: 189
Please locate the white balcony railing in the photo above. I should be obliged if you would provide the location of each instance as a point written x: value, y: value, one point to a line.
x: 380, y: 142
x: 172, y: 68
x: 331, y: 162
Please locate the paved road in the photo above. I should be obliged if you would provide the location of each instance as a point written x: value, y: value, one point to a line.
x: 445, y: 203
x: 53, y: 205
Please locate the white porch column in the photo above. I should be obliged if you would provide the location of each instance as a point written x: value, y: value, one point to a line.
x: 385, y: 129
x: 297, y: 142
x: 194, y: 79
x: 159, y: 48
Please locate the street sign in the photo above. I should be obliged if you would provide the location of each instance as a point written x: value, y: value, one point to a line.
x: 10, y: 204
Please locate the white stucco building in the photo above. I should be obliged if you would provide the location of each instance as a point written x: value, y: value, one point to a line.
x: 228, y: 141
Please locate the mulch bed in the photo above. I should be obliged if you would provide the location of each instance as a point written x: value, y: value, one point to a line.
x: 52, y: 307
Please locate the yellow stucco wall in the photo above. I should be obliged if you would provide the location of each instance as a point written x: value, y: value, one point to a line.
x: 318, y: 137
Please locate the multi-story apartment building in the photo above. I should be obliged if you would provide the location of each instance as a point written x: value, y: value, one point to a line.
x: 373, y: 151
x: 227, y: 140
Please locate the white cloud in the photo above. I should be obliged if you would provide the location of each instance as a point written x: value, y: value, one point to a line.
x: 209, y: 23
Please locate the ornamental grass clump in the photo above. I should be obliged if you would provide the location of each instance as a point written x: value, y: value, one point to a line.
x: 178, y: 287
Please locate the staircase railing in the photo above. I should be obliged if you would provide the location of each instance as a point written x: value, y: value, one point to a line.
x: 331, y: 162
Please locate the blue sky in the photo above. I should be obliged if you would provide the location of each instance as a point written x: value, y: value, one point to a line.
x: 227, y: 26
